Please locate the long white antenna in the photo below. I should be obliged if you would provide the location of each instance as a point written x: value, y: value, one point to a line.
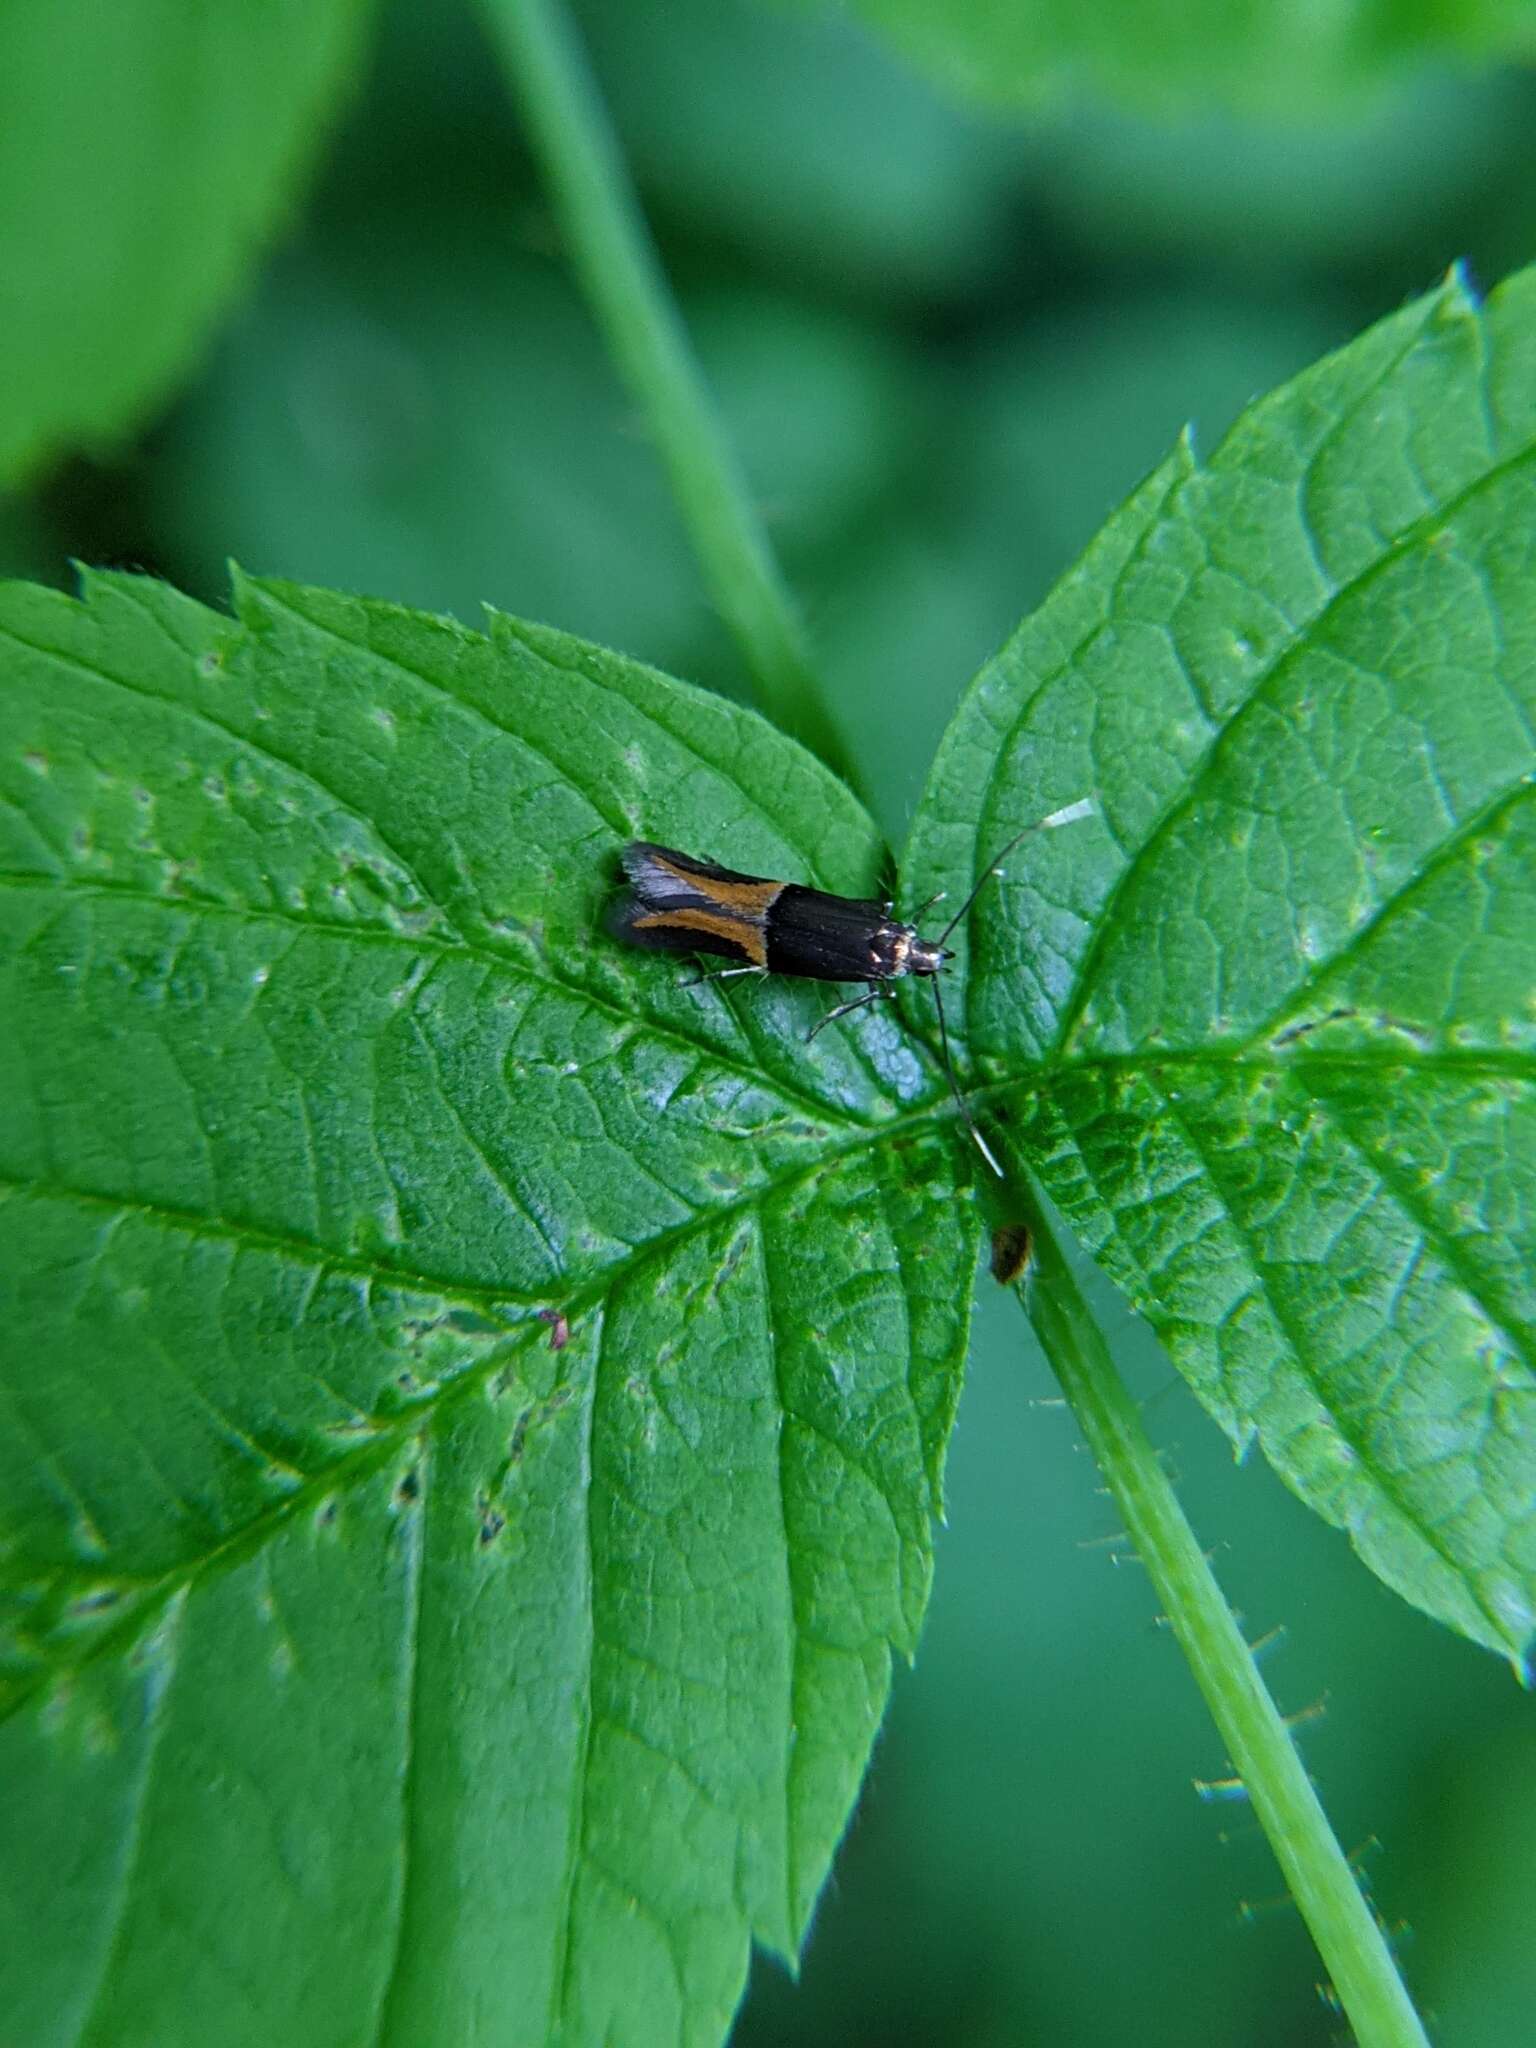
x: 954, y: 1087
x: 1067, y: 815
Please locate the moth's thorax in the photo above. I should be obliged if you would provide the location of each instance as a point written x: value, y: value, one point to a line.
x: 903, y: 952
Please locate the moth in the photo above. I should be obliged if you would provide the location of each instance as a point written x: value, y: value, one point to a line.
x: 675, y: 903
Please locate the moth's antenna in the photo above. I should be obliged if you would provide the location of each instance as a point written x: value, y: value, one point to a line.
x: 954, y: 1087
x: 1067, y: 815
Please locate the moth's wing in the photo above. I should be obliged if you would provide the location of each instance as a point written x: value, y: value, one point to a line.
x: 661, y: 876
x: 832, y: 938
x: 676, y: 904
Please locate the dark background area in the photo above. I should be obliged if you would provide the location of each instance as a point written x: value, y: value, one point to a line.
x: 947, y: 345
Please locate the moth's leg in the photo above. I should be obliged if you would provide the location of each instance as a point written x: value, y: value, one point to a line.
x: 720, y: 974
x: 937, y: 897
x: 846, y: 1009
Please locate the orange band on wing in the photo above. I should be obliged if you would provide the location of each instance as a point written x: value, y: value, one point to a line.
x: 750, y: 899
x: 750, y: 940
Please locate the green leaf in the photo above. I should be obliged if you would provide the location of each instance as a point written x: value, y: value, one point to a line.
x: 1267, y: 1030
x: 451, y: 367
x: 1265, y: 55
x: 375, y: 1668
x: 374, y: 1665
x: 141, y: 163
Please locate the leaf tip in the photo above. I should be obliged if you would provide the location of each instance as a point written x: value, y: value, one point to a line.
x: 90, y: 581
x: 1460, y: 293
x: 250, y: 597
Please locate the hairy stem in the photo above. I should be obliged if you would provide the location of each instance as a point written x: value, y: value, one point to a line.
x: 1352, y: 1945
x: 619, y: 270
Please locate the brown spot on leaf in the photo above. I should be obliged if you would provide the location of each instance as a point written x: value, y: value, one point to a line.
x: 1010, y: 1253
x: 559, y: 1328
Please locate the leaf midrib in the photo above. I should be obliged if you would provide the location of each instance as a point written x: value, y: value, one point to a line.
x: 459, y: 948
x: 352, y: 1467
x: 1490, y: 1063
x: 386, y: 1433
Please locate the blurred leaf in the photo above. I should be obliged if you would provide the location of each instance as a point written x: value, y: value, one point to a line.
x: 1472, y: 1838
x: 824, y: 408
x: 1413, y: 178
x: 1264, y: 54
x: 432, y: 416
x: 28, y: 544
x: 372, y: 1662
x: 1071, y: 412
x: 802, y: 142
x: 1269, y: 1032
x: 1047, y: 426
x: 144, y: 154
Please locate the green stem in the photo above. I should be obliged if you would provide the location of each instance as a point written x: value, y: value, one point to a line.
x: 622, y: 277
x: 1352, y: 1946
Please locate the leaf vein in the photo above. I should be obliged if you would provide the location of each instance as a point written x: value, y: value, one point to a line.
x: 1480, y: 1288
x: 1377, y: 1478
x: 460, y: 948
x: 1194, y: 784
x: 410, y: 1730
x: 576, y: 1846
x: 765, y: 1267
x: 200, y: 716
x: 1507, y: 797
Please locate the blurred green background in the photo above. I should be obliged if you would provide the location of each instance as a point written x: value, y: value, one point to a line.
x: 947, y: 344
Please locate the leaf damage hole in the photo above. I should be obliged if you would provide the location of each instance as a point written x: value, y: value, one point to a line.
x: 519, y: 1437
x: 99, y: 1601
x: 1309, y: 1024
x: 559, y: 1328
x: 1401, y: 1028
x: 492, y: 1520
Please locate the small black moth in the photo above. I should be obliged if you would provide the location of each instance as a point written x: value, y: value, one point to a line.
x: 676, y: 904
